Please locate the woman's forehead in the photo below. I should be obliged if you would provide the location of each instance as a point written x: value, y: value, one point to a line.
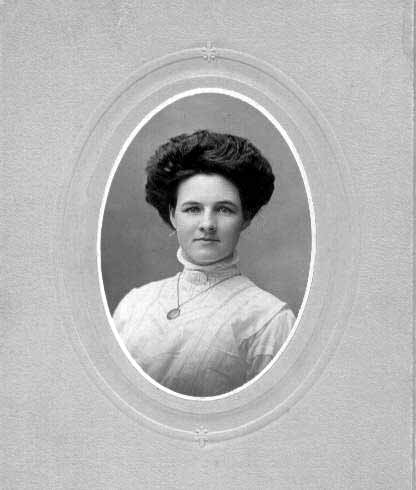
x: 207, y: 187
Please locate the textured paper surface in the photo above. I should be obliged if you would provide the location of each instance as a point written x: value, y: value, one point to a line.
x: 353, y: 427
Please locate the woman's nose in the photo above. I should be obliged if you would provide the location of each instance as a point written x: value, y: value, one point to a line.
x: 207, y: 222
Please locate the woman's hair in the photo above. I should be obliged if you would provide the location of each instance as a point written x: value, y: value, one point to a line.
x: 206, y: 152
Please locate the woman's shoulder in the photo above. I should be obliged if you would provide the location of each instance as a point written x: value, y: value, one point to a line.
x: 261, y: 315
x: 254, y: 296
x: 142, y: 294
x: 149, y: 287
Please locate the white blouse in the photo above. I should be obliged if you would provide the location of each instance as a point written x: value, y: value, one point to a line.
x: 228, y: 329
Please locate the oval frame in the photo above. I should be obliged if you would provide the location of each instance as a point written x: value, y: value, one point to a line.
x: 332, y: 290
x: 133, y: 134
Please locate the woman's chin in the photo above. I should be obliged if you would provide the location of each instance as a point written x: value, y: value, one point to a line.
x: 207, y: 259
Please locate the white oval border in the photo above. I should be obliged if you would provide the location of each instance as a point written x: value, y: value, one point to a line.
x: 133, y: 134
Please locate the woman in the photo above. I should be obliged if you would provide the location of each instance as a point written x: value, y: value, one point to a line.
x: 208, y: 329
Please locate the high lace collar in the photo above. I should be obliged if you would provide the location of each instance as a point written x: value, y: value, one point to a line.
x: 206, y: 274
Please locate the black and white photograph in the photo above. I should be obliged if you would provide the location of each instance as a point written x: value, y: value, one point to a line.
x: 208, y: 248
x: 206, y: 245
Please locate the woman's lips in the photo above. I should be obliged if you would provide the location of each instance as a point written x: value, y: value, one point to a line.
x: 206, y: 240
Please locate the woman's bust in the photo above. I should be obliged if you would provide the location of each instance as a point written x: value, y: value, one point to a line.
x: 208, y: 329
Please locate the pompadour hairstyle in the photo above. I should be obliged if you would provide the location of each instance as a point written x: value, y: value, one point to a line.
x: 206, y: 152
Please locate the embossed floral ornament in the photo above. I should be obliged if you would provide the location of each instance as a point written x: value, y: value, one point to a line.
x: 208, y: 52
x: 201, y: 434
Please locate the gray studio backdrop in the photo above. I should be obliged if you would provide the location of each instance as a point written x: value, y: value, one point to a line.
x: 136, y: 246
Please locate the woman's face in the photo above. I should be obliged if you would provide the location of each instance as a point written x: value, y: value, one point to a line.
x: 208, y: 218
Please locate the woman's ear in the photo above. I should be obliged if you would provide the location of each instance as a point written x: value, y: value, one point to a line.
x: 172, y: 217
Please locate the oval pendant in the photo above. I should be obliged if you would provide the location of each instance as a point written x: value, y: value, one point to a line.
x: 174, y: 313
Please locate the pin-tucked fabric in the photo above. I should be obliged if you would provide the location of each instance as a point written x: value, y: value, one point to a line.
x: 223, y: 337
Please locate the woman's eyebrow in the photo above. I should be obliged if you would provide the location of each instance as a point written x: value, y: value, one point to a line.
x: 193, y: 203
x: 216, y: 203
x: 229, y: 203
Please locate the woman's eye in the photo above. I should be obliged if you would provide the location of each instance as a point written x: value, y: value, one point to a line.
x: 192, y: 209
x: 224, y: 209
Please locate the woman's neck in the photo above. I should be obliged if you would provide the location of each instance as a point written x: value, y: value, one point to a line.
x: 208, y: 272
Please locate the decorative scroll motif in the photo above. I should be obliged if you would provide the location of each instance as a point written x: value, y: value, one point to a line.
x: 208, y: 52
x: 201, y: 435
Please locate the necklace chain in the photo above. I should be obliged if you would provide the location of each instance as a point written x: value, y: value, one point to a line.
x: 175, y: 312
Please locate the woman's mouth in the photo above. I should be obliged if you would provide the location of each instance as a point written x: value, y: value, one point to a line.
x: 204, y: 239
